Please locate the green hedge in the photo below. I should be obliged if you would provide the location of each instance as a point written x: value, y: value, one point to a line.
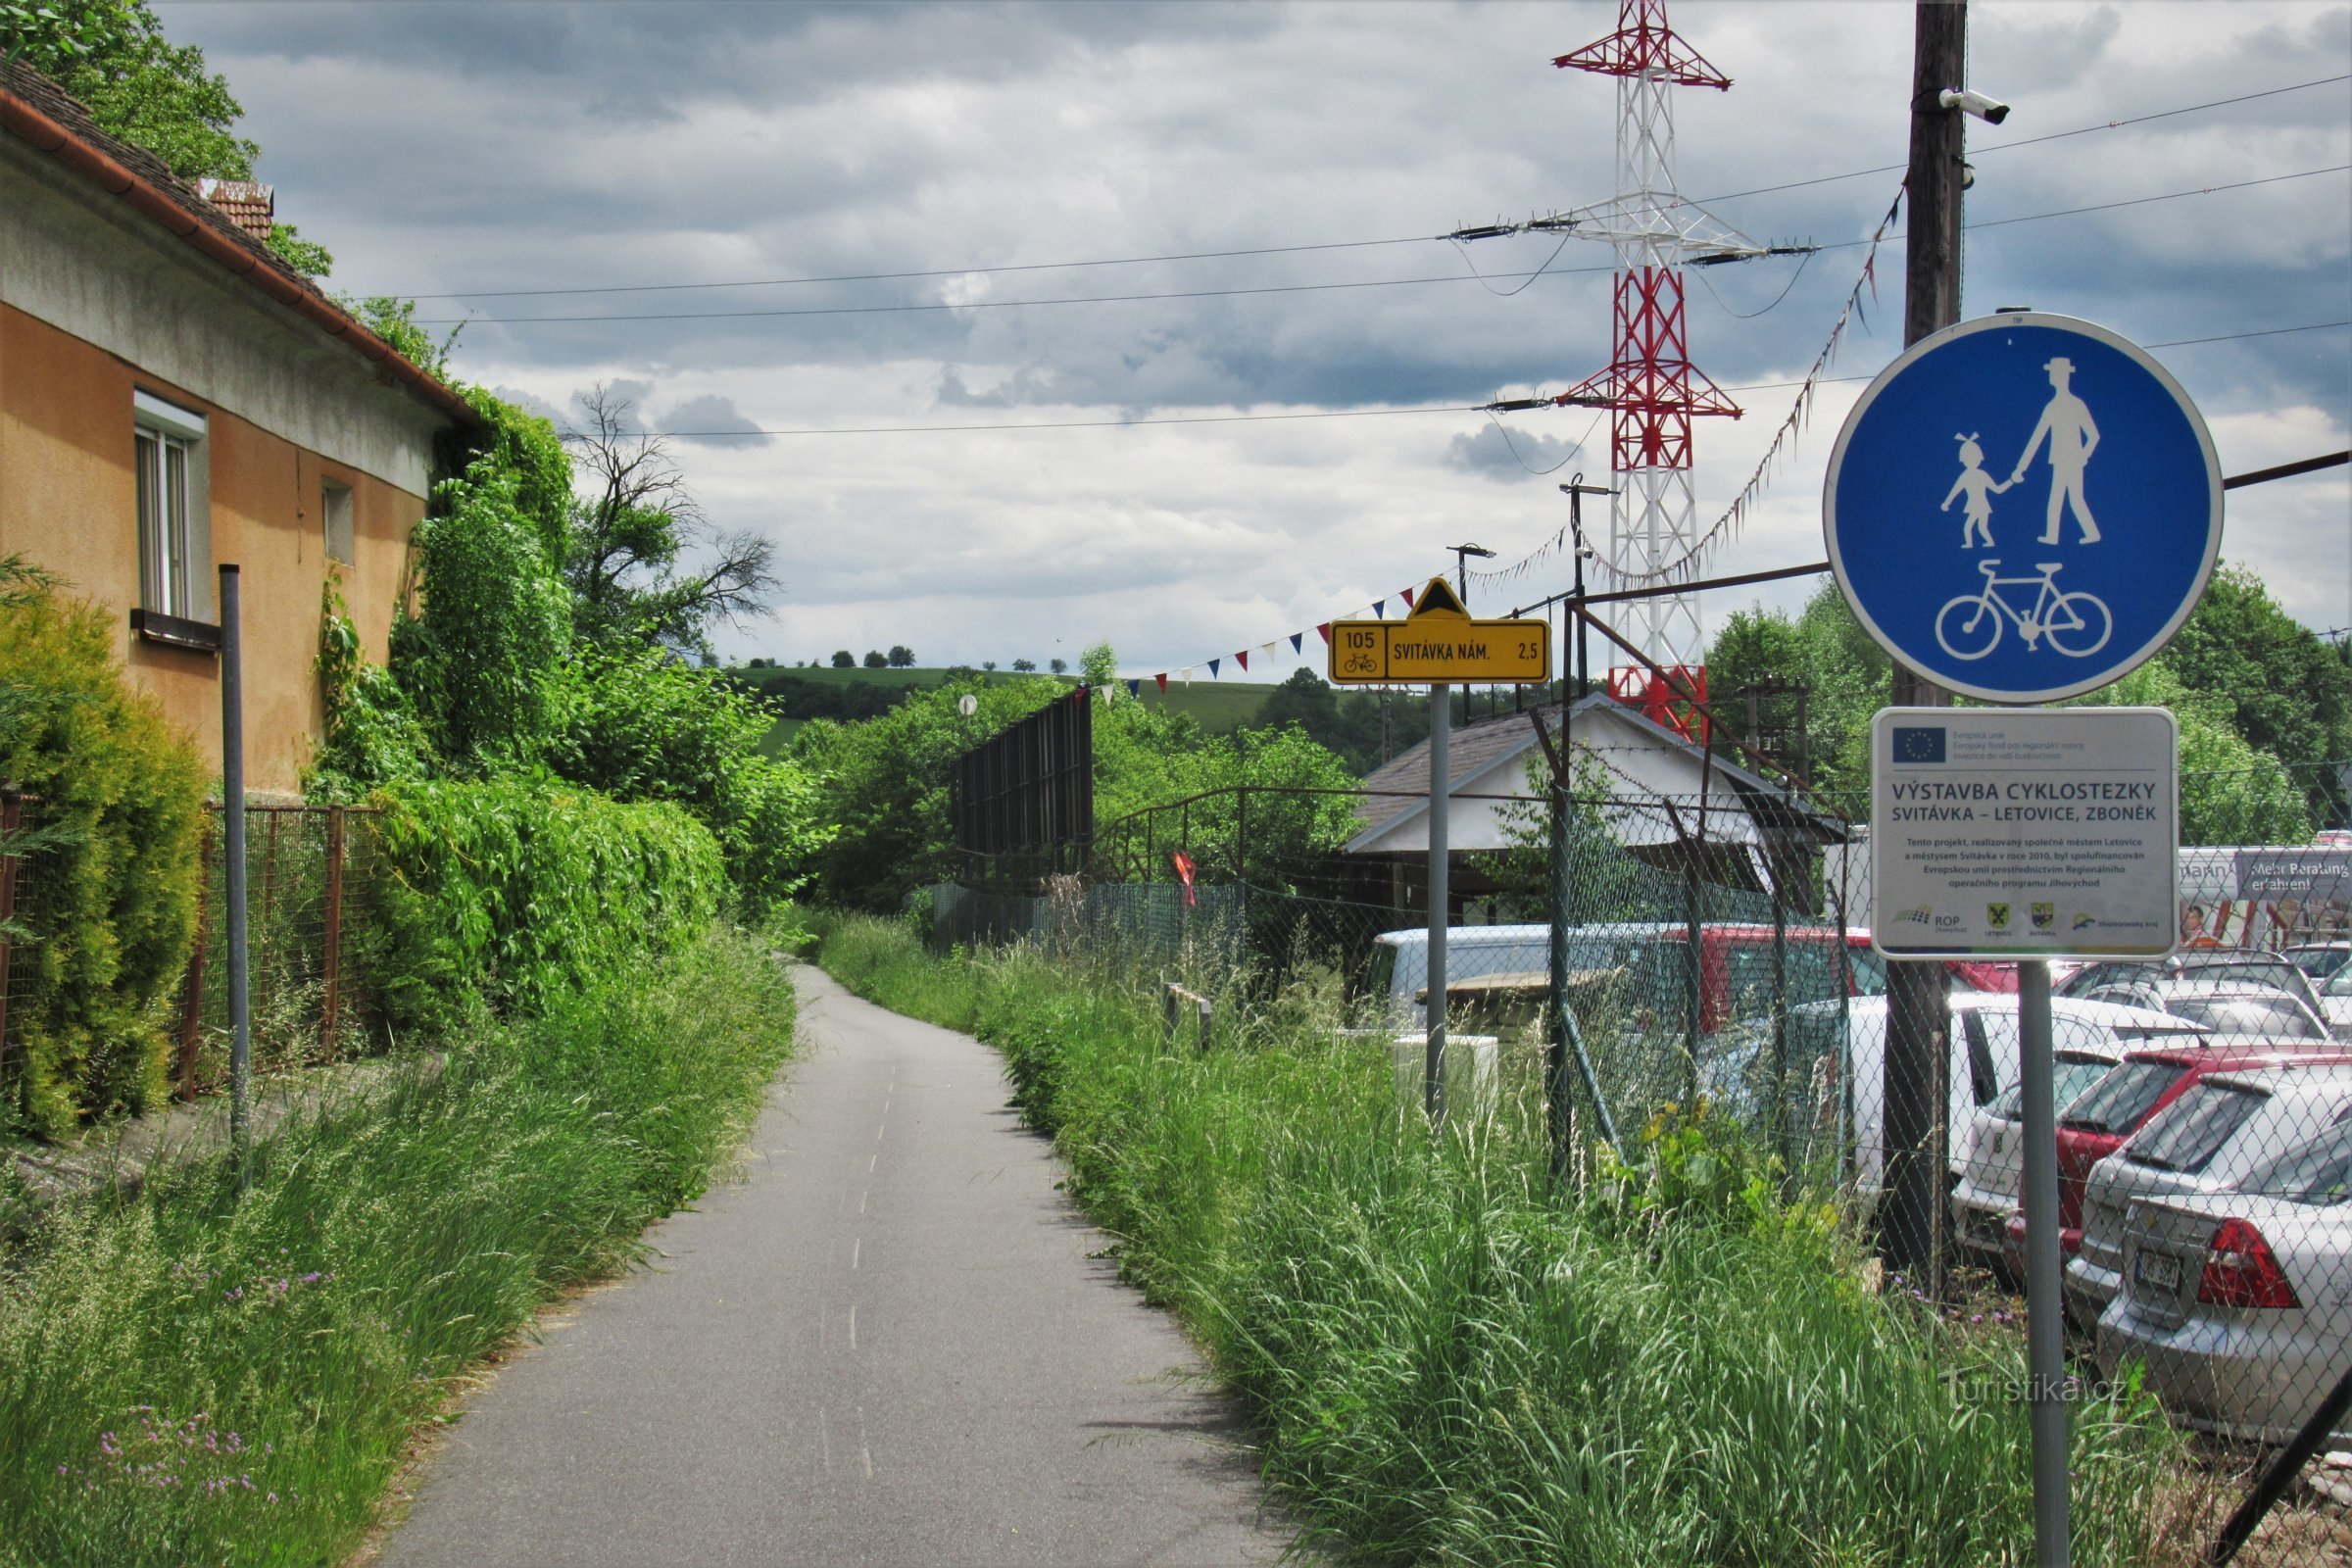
x: 517, y: 890
x: 109, y: 904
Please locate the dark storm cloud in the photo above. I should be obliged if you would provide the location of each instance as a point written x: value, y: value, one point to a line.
x: 713, y: 420
x: 1510, y: 456
x: 438, y: 148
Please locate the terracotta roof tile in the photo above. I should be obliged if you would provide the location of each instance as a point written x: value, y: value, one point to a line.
x: 253, y: 208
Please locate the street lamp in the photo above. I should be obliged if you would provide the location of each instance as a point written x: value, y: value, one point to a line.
x: 1576, y: 490
x: 1461, y: 565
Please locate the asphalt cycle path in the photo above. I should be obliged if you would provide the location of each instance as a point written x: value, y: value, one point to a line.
x: 894, y: 1343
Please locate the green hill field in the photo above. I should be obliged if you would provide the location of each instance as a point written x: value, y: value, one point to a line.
x: 803, y: 694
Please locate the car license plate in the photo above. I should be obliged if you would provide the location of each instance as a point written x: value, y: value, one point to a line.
x: 2156, y: 1271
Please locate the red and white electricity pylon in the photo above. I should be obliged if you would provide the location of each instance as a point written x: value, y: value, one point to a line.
x: 1650, y: 387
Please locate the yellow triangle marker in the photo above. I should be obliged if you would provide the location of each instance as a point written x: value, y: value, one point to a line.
x: 1440, y: 641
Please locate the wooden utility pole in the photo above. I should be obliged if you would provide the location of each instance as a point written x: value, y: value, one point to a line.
x: 1918, y: 1064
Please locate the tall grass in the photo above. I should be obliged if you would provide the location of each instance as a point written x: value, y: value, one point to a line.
x: 190, y: 1378
x: 1451, y: 1363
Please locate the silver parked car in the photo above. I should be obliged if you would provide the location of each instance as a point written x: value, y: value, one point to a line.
x: 2239, y: 1304
x: 2230, y: 965
x: 2229, y: 1007
x: 2227, y: 1126
x: 1988, y: 1141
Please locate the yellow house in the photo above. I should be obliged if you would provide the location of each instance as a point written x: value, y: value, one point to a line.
x: 174, y: 398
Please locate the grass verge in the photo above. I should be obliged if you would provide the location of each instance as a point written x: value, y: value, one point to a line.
x: 1448, y: 1363
x: 191, y: 1378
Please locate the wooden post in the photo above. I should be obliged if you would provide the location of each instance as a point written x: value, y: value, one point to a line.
x: 1918, y: 1060
x: 191, y: 1002
x: 334, y: 931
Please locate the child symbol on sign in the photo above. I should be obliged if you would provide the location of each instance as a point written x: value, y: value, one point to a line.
x: 1978, y: 485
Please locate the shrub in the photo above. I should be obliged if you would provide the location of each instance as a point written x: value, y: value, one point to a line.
x: 369, y: 734
x: 516, y: 890
x: 641, y: 726
x: 478, y: 661
x: 112, y: 907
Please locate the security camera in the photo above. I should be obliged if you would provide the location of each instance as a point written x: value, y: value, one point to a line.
x: 1991, y: 111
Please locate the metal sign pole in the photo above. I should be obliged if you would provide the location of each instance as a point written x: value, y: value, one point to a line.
x: 2046, y: 1334
x: 1440, y: 788
x: 232, y: 815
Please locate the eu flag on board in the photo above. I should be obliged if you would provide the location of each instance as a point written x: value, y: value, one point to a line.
x: 1920, y: 743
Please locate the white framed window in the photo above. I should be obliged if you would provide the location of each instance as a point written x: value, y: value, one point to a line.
x: 334, y: 508
x: 168, y: 461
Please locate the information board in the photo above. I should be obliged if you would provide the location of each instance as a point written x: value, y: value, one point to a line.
x: 2024, y: 832
x: 1438, y: 642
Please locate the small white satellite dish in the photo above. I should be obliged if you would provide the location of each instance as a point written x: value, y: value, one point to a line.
x: 967, y: 704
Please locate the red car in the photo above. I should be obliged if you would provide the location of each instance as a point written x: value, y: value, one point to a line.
x: 1735, y: 966
x: 2112, y: 1110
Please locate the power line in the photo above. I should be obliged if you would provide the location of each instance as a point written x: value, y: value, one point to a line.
x: 1318, y: 414
x: 2030, y: 141
x: 1327, y: 245
x: 940, y: 272
x: 1272, y: 288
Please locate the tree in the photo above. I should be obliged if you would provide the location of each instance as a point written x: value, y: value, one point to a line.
x: 885, y: 783
x: 482, y: 660
x: 641, y: 726
x: 394, y: 320
x: 306, y: 257
x: 1059, y: 667
x: 2285, y: 689
x: 987, y: 664
x: 1024, y: 667
x: 1348, y: 724
x: 2230, y: 792
x: 112, y: 57
x: 634, y: 530
x: 901, y: 657
x: 875, y: 660
x: 843, y: 658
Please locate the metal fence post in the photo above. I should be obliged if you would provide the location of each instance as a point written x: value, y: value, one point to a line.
x: 2045, y: 1328
x: 1780, y: 1014
x: 1555, y: 1045
x: 274, y: 960
x: 191, y: 1004
x: 232, y: 801
x: 333, y: 958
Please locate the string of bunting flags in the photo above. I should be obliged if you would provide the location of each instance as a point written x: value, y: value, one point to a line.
x: 1378, y: 609
x: 1799, y: 416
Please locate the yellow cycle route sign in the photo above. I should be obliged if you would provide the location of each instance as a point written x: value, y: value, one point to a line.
x: 1440, y: 642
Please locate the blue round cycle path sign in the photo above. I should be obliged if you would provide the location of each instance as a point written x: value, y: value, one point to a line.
x: 2023, y: 508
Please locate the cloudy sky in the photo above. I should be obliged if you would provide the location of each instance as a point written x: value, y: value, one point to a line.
x: 930, y: 223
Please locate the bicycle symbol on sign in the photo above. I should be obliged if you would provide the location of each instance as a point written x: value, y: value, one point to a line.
x: 1360, y: 664
x: 2076, y: 624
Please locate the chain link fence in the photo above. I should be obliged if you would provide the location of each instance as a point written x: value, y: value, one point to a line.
x: 1630, y: 958
x: 313, y: 975
x: 310, y: 985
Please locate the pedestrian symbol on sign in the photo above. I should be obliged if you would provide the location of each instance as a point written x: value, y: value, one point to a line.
x: 2066, y: 423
